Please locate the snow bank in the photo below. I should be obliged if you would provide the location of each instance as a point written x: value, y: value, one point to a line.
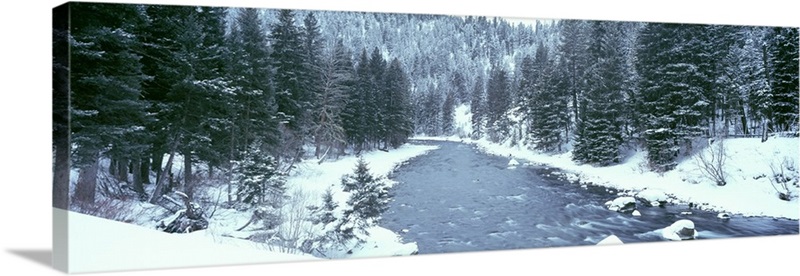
x: 316, y: 178
x: 384, y: 242
x: 312, y: 179
x: 748, y: 191
x: 106, y: 245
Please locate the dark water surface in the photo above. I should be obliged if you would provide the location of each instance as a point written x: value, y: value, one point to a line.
x: 458, y: 199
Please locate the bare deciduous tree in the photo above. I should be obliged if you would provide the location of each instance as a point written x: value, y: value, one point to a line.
x: 783, y: 176
x: 711, y: 162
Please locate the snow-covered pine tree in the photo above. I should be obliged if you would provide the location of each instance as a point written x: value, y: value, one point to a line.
x: 459, y: 87
x: 354, y: 115
x: 672, y: 91
x: 477, y: 109
x: 431, y: 117
x: 376, y: 98
x: 324, y: 217
x: 369, y: 198
x: 573, y: 48
x: 782, y: 50
x: 252, y: 105
x: 258, y: 180
x: 526, y: 89
x: 398, y: 111
x: 292, y: 91
x: 599, y: 133
x: 107, y: 115
x: 498, y: 102
x: 743, y: 71
x: 546, y: 106
x: 190, y: 84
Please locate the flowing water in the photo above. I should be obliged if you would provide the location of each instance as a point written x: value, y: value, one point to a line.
x: 458, y: 199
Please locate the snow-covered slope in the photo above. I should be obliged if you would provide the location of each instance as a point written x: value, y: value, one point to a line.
x: 97, y: 244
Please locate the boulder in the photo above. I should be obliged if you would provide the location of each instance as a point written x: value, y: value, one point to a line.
x: 512, y: 163
x: 653, y: 197
x: 680, y: 230
x: 610, y: 240
x: 622, y: 204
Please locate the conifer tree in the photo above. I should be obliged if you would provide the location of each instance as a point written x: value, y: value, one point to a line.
x: 369, y: 197
x: 477, y: 108
x: 599, y: 134
x: 547, y: 107
x: 398, y: 115
x: 107, y: 117
x: 497, y: 103
x: 291, y: 80
x: 782, y: 74
x: 672, y: 92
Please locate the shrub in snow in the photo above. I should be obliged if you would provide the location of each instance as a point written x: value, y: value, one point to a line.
x: 711, y: 162
x: 784, y: 178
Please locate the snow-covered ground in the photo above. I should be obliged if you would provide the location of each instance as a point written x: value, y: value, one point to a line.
x: 136, y: 244
x: 748, y: 162
x: 97, y: 244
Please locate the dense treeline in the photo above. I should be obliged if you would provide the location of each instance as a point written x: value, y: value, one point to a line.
x: 249, y: 90
x: 224, y: 90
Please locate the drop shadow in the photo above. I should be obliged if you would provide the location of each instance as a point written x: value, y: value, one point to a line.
x: 40, y: 256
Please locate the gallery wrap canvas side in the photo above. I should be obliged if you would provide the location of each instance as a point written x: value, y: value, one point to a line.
x: 61, y: 144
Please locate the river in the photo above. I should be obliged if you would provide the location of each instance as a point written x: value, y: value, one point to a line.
x: 458, y: 199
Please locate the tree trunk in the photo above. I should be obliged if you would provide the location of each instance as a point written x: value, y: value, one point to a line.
x: 87, y: 182
x: 162, y: 179
x: 137, y: 179
x: 745, y: 131
x: 61, y: 172
x: 188, y: 183
x: 317, y: 145
x: 112, y: 167
x: 158, y: 161
x: 144, y: 170
x: 122, y: 170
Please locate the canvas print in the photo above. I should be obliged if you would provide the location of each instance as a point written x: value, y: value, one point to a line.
x: 195, y: 136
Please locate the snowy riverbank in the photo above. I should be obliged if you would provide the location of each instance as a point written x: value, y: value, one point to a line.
x: 748, y: 191
x: 226, y: 233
